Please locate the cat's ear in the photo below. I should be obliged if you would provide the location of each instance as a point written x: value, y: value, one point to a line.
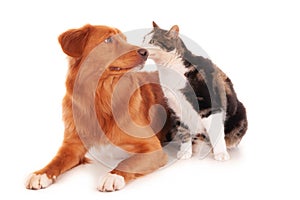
x: 154, y: 24
x: 73, y: 41
x: 174, y: 31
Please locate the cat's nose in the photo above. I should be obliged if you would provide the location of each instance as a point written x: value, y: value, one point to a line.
x: 143, y: 53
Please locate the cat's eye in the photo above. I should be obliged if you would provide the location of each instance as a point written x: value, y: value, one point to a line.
x: 151, y: 41
x: 108, y: 40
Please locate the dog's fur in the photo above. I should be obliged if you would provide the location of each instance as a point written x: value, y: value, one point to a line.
x: 81, y: 104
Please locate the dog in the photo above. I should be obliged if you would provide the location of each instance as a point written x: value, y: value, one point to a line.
x: 107, y: 106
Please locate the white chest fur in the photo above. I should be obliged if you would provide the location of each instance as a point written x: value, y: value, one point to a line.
x: 172, y: 81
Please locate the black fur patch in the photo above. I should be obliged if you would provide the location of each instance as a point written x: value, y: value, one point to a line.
x: 179, y: 129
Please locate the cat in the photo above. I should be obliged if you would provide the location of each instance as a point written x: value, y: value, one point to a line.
x: 206, y: 107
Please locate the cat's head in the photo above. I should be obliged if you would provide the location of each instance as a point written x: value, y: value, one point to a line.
x: 163, y: 44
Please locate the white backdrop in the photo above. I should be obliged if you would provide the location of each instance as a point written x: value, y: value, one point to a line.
x: 255, y: 42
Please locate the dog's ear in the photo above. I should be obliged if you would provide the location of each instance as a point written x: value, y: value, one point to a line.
x: 174, y: 31
x: 73, y: 41
x: 154, y: 24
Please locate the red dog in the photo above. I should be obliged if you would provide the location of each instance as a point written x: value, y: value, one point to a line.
x: 94, y: 113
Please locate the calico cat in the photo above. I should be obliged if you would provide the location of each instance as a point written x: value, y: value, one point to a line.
x: 205, y: 104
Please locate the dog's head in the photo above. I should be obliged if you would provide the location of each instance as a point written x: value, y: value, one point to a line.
x: 106, y: 43
x: 99, y: 57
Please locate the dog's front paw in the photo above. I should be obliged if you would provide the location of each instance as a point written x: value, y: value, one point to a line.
x: 223, y: 156
x: 38, y: 181
x: 111, y: 182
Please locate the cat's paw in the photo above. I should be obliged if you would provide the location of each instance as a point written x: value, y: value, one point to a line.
x: 223, y: 156
x: 184, y: 154
x: 111, y: 182
x: 38, y: 181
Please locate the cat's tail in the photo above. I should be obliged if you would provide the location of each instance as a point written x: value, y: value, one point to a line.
x: 236, y: 126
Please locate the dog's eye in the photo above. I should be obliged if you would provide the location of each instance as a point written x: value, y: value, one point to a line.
x: 108, y: 40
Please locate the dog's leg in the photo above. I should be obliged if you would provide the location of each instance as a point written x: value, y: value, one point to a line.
x: 70, y: 154
x: 138, y: 165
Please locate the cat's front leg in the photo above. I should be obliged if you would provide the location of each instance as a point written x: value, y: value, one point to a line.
x: 214, y: 125
x: 220, y: 153
x: 185, y: 139
x: 185, y: 151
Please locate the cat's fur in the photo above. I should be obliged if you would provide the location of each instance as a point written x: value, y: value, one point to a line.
x: 201, y: 95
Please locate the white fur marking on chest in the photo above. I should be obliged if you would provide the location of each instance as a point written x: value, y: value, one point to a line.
x: 173, y: 80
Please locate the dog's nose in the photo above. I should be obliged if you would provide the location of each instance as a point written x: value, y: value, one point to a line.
x: 144, y: 53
